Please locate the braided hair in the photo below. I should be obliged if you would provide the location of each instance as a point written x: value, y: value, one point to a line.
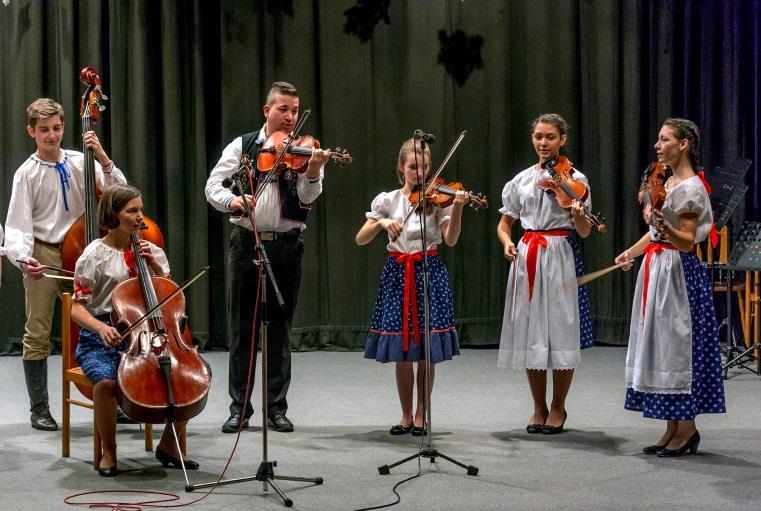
x: 684, y: 129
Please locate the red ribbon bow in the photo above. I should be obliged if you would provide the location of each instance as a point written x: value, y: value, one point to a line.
x: 410, y: 294
x: 129, y: 260
x: 534, y: 240
x: 650, y: 249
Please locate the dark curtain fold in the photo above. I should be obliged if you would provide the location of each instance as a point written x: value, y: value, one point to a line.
x: 186, y: 77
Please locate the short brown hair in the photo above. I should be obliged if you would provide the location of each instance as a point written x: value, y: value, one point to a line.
x: 42, y: 108
x: 552, y: 119
x: 112, y: 202
x: 284, y: 88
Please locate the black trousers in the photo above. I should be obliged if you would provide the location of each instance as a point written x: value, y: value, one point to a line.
x: 285, y: 256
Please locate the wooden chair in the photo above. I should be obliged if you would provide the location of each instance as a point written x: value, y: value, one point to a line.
x: 72, y: 374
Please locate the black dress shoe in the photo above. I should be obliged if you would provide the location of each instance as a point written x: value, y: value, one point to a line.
x: 534, y: 428
x: 400, y: 430
x: 167, y: 460
x: 232, y: 425
x: 554, y: 430
x: 653, y: 449
x: 108, y: 471
x: 280, y: 423
x: 44, y: 422
x: 123, y: 418
x: 418, y: 431
x: 691, y: 445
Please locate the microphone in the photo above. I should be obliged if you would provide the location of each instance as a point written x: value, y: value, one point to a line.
x: 425, y: 137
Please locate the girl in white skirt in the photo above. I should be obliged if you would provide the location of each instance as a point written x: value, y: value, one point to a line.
x: 546, y: 320
x: 673, y: 369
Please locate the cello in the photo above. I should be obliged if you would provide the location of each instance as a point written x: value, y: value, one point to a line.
x: 161, y: 376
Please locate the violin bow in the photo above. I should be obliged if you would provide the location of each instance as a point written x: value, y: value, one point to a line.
x: 163, y: 302
x: 515, y: 288
x: 580, y: 281
x: 435, y: 175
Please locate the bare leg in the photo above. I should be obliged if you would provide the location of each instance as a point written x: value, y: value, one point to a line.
x: 561, y: 383
x: 420, y: 410
x: 671, y: 427
x: 405, y: 380
x: 168, y: 444
x: 104, y: 400
x: 537, y: 383
x: 684, y: 431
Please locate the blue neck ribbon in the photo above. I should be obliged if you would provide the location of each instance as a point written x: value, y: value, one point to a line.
x: 64, y: 175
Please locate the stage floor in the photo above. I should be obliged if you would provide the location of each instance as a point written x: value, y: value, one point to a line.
x: 342, y: 406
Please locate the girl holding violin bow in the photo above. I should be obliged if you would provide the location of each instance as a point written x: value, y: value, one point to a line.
x: 673, y: 368
x: 104, y: 264
x: 396, y: 332
x: 546, y: 321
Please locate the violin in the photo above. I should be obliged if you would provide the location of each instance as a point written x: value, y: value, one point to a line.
x: 298, y: 153
x: 567, y: 189
x: 441, y: 194
x: 161, y: 376
x: 652, y: 189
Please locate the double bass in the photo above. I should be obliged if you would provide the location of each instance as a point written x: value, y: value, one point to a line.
x: 161, y: 376
x: 85, y: 229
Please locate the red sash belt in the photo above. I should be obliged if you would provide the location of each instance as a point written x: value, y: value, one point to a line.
x: 652, y: 248
x: 534, y: 240
x: 410, y: 294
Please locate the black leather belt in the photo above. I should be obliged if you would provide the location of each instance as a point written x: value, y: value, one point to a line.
x: 275, y: 235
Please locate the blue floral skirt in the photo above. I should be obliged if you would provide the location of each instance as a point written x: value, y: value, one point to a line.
x: 586, y: 337
x: 707, y: 394
x: 385, y: 340
x: 98, y: 361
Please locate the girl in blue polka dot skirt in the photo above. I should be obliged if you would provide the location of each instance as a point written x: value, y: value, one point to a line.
x: 673, y: 369
x: 397, y: 330
x: 547, y: 320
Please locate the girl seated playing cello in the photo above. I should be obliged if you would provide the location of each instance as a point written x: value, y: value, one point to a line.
x: 105, y: 263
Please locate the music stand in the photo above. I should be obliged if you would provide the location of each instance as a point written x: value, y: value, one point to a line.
x: 746, y: 256
x: 728, y: 189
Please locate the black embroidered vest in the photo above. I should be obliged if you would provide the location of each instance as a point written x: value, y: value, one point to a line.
x: 291, y: 208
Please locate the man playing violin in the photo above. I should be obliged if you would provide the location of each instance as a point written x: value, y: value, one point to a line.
x: 280, y: 214
x: 46, y: 199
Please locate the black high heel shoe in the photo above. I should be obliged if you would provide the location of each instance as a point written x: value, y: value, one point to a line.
x: 554, y: 430
x: 108, y: 471
x: 653, y: 449
x: 166, y: 460
x: 691, y: 446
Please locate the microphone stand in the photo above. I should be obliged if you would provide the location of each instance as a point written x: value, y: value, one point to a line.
x: 428, y: 451
x: 266, y: 470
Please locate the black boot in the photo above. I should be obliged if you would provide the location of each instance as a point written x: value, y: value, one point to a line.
x: 36, y: 374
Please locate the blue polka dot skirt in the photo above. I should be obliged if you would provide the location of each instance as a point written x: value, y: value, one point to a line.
x: 98, y: 362
x: 707, y: 385
x: 384, y: 341
x: 585, y: 314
